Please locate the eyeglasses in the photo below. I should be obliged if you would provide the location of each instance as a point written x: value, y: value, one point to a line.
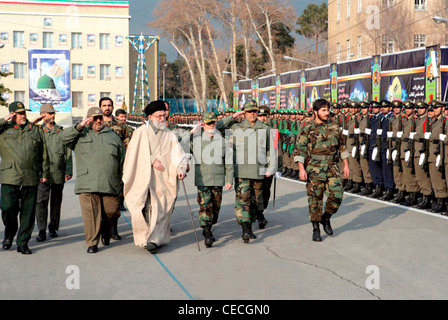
x: 251, y: 111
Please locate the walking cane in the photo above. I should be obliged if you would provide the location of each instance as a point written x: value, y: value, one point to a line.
x: 275, y: 187
x: 191, y: 215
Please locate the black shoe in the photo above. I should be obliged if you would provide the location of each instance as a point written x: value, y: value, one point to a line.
x: 439, y: 205
x: 246, y: 232
x: 262, y: 222
x: 424, y: 204
x: 316, y: 232
x: 400, y: 198
x: 152, y: 247
x: 348, y: 186
x: 326, y: 223
x: 7, y: 244
x: 252, y: 235
x: 92, y: 249
x: 388, y: 196
x: 208, y: 235
x: 411, y: 200
x: 356, y: 188
x: 368, y: 190
x: 288, y: 173
x: 52, y: 233
x: 378, y: 192
x: 41, y: 237
x: 105, y: 239
x: 24, y: 249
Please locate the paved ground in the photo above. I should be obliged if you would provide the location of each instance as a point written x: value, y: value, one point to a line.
x: 379, y: 251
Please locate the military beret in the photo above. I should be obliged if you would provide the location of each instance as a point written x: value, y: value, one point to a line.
x: 209, y: 117
x: 17, y: 106
x: 94, y: 112
x: 385, y: 103
x: 154, y: 106
x: 47, y: 108
x: 397, y: 104
x: 421, y: 104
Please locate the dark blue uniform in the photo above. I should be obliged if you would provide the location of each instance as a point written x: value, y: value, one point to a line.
x: 387, y: 169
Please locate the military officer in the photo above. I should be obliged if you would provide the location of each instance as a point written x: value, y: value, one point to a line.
x: 319, y: 142
x: 394, y: 137
x: 364, y: 136
x: 374, y: 151
x: 61, y: 170
x: 100, y: 156
x: 213, y: 170
x: 24, y: 164
x: 355, y: 179
x: 252, y: 145
x: 435, y: 165
x: 421, y: 150
x: 386, y: 165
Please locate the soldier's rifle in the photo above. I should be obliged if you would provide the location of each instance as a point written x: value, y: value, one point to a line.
x: 425, y: 146
x: 397, y: 161
x: 411, y: 147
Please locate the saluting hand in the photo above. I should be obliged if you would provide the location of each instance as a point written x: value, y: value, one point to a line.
x: 9, y: 116
x: 85, y: 121
x: 36, y: 120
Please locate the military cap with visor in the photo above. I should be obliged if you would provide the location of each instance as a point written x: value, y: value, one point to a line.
x: 94, y: 112
x: 47, y: 108
x: 250, y: 105
x: 375, y: 104
x: 264, y: 111
x: 364, y: 105
x: 385, y: 103
x: 397, y: 104
x: 421, y: 104
x: 209, y: 117
x: 409, y: 105
x: 17, y: 107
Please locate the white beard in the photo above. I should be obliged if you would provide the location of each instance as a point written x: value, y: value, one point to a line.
x: 159, y: 125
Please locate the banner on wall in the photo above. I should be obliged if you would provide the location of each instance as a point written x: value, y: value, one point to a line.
x: 376, y: 78
x: 431, y: 73
x: 267, y: 91
x: 49, y: 79
x: 334, y: 82
x: 290, y: 90
x: 403, y: 75
x: 444, y: 72
x: 317, y: 85
x: 244, y: 92
x: 355, y: 80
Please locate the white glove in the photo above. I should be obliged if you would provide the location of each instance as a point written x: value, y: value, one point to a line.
x: 278, y: 175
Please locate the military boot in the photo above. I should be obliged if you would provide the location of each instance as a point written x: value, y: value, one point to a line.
x: 378, y: 192
x: 411, y: 200
x: 262, y: 222
x: 356, y: 188
x: 400, y: 197
x: 326, y: 223
x: 439, y: 205
x: 114, y: 230
x: 349, y: 185
x: 316, y: 231
x: 288, y: 173
x: 368, y: 190
x: 388, y: 196
x: 208, y: 235
x: 294, y: 175
x: 284, y: 171
x: 246, y: 232
x: 424, y: 204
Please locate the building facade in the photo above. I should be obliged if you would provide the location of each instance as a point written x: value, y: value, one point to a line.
x: 361, y: 28
x: 59, y: 49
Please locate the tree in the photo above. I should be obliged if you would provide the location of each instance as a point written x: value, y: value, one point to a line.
x: 313, y: 24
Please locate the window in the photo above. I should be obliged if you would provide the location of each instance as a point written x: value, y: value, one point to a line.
x: 104, y: 41
x: 419, y: 40
x: 420, y: 4
x: 48, y: 40
x: 388, y: 44
x: 338, y: 14
x: 338, y: 52
x: 19, y: 70
x: 76, y: 40
x: 359, y: 6
x: 77, y: 99
x: 388, y: 3
x: 104, y: 94
x: 104, y: 71
x: 77, y: 71
x: 348, y: 8
x: 19, y: 96
x: 349, y: 54
x: 359, y: 47
x: 18, y: 39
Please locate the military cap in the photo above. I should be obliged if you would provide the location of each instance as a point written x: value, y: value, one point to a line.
x: 47, y: 108
x: 364, y: 105
x: 436, y: 104
x: 344, y: 104
x: 385, y: 103
x: 209, y: 117
x: 353, y: 104
x: 375, y: 104
x: 421, y: 104
x: 336, y: 105
x: 17, y: 106
x: 397, y: 104
x: 94, y: 112
x: 409, y: 104
x: 264, y: 110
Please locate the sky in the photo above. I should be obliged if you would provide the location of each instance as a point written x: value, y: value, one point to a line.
x: 141, y: 12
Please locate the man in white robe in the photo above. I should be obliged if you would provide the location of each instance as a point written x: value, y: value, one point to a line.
x: 154, y: 163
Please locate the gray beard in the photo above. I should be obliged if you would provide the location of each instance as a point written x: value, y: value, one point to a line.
x: 159, y: 125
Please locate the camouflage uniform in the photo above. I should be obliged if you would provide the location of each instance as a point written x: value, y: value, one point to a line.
x: 121, y: 129
x: 319, y: 144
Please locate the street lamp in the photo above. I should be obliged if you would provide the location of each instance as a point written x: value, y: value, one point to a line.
x: 163, y: 72
x: 2, y: 45
x: 228, y: 72
x: 439, y: 20
x: 270, y: 71
x: 295, y: 59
